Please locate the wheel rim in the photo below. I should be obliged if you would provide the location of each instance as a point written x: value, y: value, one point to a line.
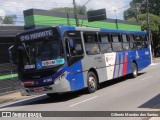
x: 134, y: 71
x: 92, y: 83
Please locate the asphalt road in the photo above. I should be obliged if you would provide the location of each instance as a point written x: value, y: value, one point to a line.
x: 123, y: 94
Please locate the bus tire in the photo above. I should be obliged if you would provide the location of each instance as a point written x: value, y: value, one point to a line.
x: 92, y: 83
x: 134, y: 73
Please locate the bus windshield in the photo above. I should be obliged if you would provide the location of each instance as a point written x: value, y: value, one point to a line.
x: 41, y: 55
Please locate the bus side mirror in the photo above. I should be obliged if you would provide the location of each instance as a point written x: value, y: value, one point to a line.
x: 12, y: 55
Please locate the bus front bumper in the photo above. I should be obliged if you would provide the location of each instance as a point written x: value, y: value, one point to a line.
x: 61, y: 86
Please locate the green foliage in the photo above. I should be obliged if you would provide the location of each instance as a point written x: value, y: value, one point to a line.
x: 154, y: 7
x: 130, y: 13
x: 137, y: 12
x: 136, y: 6
x: 154, y: 22
x: 82, y: 10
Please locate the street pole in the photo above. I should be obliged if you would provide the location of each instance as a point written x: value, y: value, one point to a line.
x: 116, y: 19
x: 68, y: 22
x: 148, y: 26
x: 75, y: 13
x: 148, y: 30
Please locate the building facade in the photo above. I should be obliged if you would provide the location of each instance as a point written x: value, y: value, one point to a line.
x: 7, y: 39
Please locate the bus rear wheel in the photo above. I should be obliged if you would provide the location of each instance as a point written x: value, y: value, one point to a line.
x: 134, y: 73
x: 92, y: 82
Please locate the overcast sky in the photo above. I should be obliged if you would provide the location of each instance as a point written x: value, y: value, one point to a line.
x: 16, y: 7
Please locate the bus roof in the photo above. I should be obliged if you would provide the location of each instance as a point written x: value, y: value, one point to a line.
x: 86, y: 29
x: 109, y: 30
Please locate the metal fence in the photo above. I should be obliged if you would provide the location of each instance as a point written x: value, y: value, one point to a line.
x: 8, y: 78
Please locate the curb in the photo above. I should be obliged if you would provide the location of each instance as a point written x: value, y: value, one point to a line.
x: 8, y: 92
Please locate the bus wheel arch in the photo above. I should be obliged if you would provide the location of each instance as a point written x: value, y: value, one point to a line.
x: 134, y: 68
x: 92, y: 81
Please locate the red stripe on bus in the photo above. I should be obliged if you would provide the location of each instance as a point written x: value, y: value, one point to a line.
x: 125, y: 65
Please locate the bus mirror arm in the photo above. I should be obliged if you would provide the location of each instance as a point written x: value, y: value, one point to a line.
x: 12, y: 55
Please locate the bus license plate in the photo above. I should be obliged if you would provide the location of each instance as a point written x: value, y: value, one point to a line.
x: 39, y: 89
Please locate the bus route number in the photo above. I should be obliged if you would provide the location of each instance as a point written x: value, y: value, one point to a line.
x: 47, y: 80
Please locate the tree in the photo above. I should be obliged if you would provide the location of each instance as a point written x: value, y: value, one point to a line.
x: 82, y: 10
x: 139, y: 7
x: 154, y: 7
x: 154, y: 22
x: 130, y: 13
x: 137, y: 12
x: 9, y: 19
x: 1, y: 19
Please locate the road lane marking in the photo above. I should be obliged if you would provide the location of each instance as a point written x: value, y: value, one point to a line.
x: 146, y: 78
x: 83, y: 101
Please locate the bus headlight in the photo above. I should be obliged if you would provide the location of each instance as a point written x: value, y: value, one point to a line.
x: 62, y: 76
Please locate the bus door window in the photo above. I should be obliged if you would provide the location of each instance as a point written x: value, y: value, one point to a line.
x: 105, y: 44
x: 74, y: 46
x: 91, y: 43
x: 125, y: 42
x: 116, y: 43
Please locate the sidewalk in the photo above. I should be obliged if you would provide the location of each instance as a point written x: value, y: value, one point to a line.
x: 155, y: 118
x: 11, y: 97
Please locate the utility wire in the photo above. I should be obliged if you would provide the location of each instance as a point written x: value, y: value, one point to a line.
x: 86, y: 3
x: 118, y: 8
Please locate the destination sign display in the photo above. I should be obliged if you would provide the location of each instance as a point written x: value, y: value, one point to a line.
x: 37, y: 35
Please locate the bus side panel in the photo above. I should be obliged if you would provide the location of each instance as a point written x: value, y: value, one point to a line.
x: 130, y: 57
x: 110, y: 60
x: 75, y: 76
x: 96, y: 62
x: 143, y: 58
x: 121, y: 64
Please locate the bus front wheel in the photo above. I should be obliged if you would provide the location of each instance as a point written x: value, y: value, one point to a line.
x: 92, y: 82
x: 134, y: 73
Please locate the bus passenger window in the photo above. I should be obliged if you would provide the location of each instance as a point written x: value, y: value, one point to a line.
x: 104, y: 44
x: 131, y: 39
x: 138, y: 42
x: 125, y: 42
x: 116, y: 43
x: 144, y: 41
x: 91, y: 43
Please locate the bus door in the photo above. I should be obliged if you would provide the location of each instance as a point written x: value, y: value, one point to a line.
x: 74, y: 52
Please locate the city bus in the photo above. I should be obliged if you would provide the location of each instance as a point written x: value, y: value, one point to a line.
x: 66, y: 58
